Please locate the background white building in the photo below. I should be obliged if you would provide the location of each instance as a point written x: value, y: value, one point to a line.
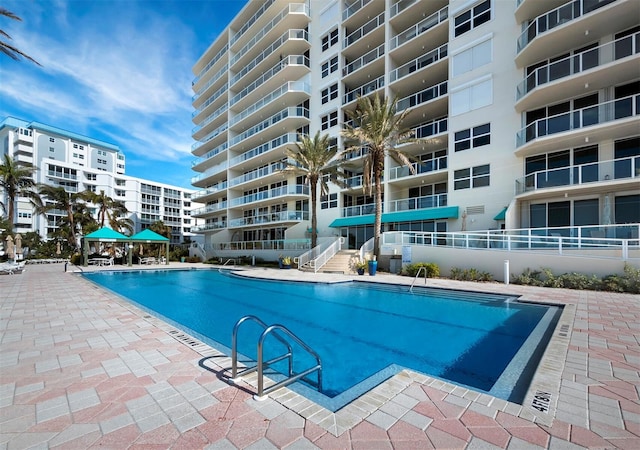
x: 80, y: 163
x: 529, y: 108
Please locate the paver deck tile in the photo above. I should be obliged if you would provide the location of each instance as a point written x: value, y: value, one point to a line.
x: 82, y: 368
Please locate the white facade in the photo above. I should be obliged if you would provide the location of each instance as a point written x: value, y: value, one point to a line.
x: 529, y: 111
x: 79, y: 163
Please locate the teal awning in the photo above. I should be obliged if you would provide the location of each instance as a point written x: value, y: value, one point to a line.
x: 105, y: 234
x: 501, y: 214
x: 447, y: 212
x: 148, y: 235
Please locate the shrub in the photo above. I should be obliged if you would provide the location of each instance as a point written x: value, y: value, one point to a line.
x: 193, y: 259
x: 470, y: 275
x: 410, y: 270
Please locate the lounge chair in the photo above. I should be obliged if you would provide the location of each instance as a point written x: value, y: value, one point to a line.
x: 8, y: 268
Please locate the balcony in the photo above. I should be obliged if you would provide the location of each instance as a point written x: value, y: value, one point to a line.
x: 626, y: 170
x: 299, y: 36
x: 428, y: 166
x: 61, y: 174
x: 295, y: 112
x: 419, y: 63
x: 428, y: 201
x: 595, y: 64
x: 283, y: 191
x: 210, y: 119
x: 270, y: 218
x: 353, y: 8
x: 253, y: 19
x: 209, y: 65
x: 422, y: 97
x: 199, y: 146
x: 573, y: 25
x: 215, y: 96
x: 364, y: 30
x: 209, y: 209
x: 432, y: 128
x: 363, y: 90
x: 205, y: 160
x: 218, y: 188
x: 223, y: 72
x: 257, y: 174
x: 359, y: 210
x: 216, y: 226
x: 361, y: 62
x: 219, y: 170
x: 601, y: 121
x: 421, y: 27
x: 280, y: 141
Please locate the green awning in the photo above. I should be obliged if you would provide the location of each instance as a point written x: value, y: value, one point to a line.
x: 501, y: 214
x: 148, y: 235
x: 105, y: 234
x: 448, y: 212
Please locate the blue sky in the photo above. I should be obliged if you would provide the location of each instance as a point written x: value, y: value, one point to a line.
x: 118, y: 71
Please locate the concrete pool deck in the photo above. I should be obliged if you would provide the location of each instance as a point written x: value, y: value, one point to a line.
x: 82, y: 368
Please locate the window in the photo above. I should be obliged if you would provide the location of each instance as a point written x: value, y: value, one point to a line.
x: 472, y: 18
x: 473, y: 137
x: 101, y: 161
x: 330, y: 39
x: 472, y: 58
x: 471, y: 177
x: 329, y: 66
x: 51, y: 149
x: 329, y: 201
x: 91, y: 176
x: 330, y: 120
x: 51, y: 139
x: 474, y: 96
x: 329, y: 93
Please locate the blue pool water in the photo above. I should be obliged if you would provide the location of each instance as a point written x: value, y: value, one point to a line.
x: 363, y: 333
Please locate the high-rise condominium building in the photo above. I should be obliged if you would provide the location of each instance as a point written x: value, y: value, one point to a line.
x: 79, y: 163
x: 528, y: 111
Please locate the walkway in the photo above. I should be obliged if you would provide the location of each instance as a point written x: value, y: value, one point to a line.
x: 81, y: 368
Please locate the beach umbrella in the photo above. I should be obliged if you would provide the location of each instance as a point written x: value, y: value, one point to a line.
x: 141, y: 250
x: 18, y: 244
x: 9, y: 247
x: 58, y: 248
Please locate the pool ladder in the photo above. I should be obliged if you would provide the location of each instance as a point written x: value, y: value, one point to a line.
x: 277, y: 331
x: 416, y: 277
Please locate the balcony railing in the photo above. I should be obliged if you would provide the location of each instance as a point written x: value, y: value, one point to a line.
x: 364, y: 60
x: 210, y: 64
x: 355, y: 153
x: 209, y: 226
x: 397, y: 8
x: 211, y: 171
x: 580, y: 118
x: 419, y: 63
x: 419, y: 168
x: 210, y: 154
x: 258, y: 173
x: 59, y: 174
x: 364, y: 30
x: 210, y: 190
x: 215, y: 96
x: 422, y: 97
x: 419, y: 28
x: 431, y: 128
x: 353, y: 182
x: 353, y: 8
x: 282, y: 216
x: 294, y: 189
x: 588, y: 59
x: 251, y: 21
x: 616, y: 169
x: 289, y: 34
x: 209, y: 209
x: 428, y: 201
x: 277, y: 142
x: 359, y: 210
x: 279, y: 244
x: 364, y: 90
x: 220, y: 73
x: 221, y: 129
x: 294, y: 111
x: 217, y: 113
x: 291, y: 86
x: 559, y: 16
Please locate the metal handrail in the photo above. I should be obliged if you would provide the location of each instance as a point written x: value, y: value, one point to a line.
x: 261, y: 364
x: 417, y: 275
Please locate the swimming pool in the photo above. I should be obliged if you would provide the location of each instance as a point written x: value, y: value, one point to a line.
x: 364, y: 332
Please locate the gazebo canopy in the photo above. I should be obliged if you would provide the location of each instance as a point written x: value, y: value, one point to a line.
x: 149, y: 236
x: 105, y: 234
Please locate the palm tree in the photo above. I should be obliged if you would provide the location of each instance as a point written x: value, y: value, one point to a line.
x: 119, y: 223
x: 16, y: 180
x: 315, y: 160
x: 377, y: 128
x: 108, y: 209
x: 58, y: 198
x: 8, y: 49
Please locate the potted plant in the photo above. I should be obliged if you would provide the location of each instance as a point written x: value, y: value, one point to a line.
x: 286, y: 262
x: 360, y: 266
x: 373, y: 266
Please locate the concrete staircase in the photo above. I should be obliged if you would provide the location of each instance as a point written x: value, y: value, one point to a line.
x: 341, y: 262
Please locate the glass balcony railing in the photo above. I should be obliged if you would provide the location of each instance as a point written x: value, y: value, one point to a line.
x: 258, y: 173
x: 425, y: 96
x: 210, y: 64
x: 419, y: 63
x: 430, y: 165
x: 209, y: 172
x: 209, y: 209
x: 353, y: 182
x: 431, y: 128
x: 221, y: 129
x: 220, y: 73
x: 290, y: 34
x: 274, y: 143
x: 397, y: 8
x: 580, y: 62
x: 209, y: 227
x: 282, y: 216
x: 364, y: 90
x: 294, y: 111
x: 215, y: 96
x: 295, y: 189
x: 210, y: 190
x: 559, y: 16
x: 353, y: 8
x: 364, y: 30
x: 60, y: 174
x: 265, y: 5
x: 428, y: 201
x: 621, y: 108
x: 359, y: 210
x: 419, y: 28
x: 217, y: 113
x: 216, y: 151
x: 601, y: 171
x: 364, y: 60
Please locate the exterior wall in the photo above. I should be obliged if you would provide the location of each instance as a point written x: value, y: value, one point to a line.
x: 81, y: 163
